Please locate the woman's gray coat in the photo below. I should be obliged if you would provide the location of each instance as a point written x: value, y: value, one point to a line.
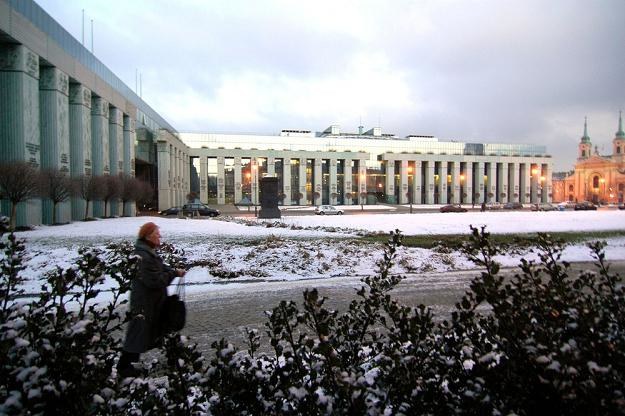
x: 148, y: 291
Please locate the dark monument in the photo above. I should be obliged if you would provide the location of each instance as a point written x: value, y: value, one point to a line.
x: 269, y: 198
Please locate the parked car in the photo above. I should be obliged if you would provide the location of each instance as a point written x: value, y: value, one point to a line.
x: 201, y: 209
x: 621, y: 205
x: 543, y: 206
x: 328, y: 210
x: 585, y: 206
x: 513, y: 205
x: 452, y: 208
x: 170, y: 211
x: 493, y: 206
x: 566, y: 205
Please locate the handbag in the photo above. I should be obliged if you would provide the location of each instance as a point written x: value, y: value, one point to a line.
x: 174, y: 310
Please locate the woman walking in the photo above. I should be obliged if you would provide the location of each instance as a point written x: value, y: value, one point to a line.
x: 147, y: 293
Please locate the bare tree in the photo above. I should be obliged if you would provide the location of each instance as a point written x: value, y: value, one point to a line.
x: 146, y: 193
x: 55, y: 186
x: 86, y: 187
x: 112, y: 191
x: 130, y: 190
x: 19, y: 182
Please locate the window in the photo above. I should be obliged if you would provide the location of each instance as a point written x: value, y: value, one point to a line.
x: 595, y: 182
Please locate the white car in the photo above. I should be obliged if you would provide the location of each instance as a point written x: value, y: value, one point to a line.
x: 328, y: 210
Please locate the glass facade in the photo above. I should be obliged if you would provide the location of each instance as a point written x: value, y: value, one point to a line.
x: 295, y: 193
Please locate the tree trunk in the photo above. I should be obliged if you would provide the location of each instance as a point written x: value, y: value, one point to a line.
x: 13, y: 216
x: 54, y: 213
x: 86, y: 208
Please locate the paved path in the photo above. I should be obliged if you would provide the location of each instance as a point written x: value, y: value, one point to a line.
x: 225, y: 312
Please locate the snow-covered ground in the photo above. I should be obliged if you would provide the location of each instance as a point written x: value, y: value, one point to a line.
x: 304, y: 247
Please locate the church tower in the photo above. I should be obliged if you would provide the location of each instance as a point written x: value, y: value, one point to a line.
x: 618, y: 143
x: 584, y: 147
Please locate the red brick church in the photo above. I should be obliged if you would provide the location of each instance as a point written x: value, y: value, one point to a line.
x: 597, y: 178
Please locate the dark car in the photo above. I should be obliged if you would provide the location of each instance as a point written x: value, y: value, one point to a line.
x: 513, y: 205
x: 452, y: 208
x: 621, y: 205
x: 199, y: 209
x: 585, y: 206
x: 170, y: 211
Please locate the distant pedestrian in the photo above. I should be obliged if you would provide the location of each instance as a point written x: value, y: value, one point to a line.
x: 147, y: 294
x: 483, y: 207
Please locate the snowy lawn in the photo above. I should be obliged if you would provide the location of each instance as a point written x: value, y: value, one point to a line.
x: 304, y: 247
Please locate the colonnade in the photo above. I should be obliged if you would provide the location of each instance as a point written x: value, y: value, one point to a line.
x: 402, y: 178
x: 56, y: 122
x: 173, y: 170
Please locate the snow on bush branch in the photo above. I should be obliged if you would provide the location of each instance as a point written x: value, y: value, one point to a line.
x: 549, y: 342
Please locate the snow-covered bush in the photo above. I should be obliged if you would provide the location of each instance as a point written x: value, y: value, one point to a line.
x: 548, y: 343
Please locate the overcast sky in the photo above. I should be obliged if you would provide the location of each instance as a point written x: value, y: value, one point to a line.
x: 525, y: 71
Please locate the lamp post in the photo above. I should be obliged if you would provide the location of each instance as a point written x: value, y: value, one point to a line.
x: 410, y: 186
x: 542, y: 187
x: 248, y: 175
x: 602, y: 182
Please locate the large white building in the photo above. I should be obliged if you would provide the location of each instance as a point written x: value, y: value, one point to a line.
x: 61, y: 108
x: 332, y: 167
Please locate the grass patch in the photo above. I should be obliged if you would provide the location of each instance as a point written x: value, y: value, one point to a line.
x: 454, y: 241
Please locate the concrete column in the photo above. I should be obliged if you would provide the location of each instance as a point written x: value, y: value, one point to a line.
x: 429, y: 182
x: 389, y: 183
x: 547, y: 184
x: 204, y: 179
x: 468, y: 183
x: 534, y: 181
x: 502, y: 181
x: 513, y: 182
x: 54, y: 117
x: 271, y: 166
x: 80, y: 143
x: 479, y: 182
x: 416, y: 184
x: 116, y: 144
x: 525, y: 181
x: 317, y: 174
x: 333, y: 189
x: 182, y: 197
x: 221, y: 181
x: 286, y: 180
x: 403, y: 183
x: 492, y: 182
x: 347, y: 180
x: 128, y: 161
x: 186, y: 173
x: 362, y: 180
x: 442, y: 184
x: 302, y: 180
x: 19, y: 119
x: 99, y: 144
x: 455, y: 183
x: 163, y: 160
x: 238, y: 180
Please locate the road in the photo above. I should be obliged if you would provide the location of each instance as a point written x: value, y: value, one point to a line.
x: 227, y: 311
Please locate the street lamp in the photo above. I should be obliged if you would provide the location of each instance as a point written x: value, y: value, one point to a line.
x: 542, y: 180
x: 254, y: 179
